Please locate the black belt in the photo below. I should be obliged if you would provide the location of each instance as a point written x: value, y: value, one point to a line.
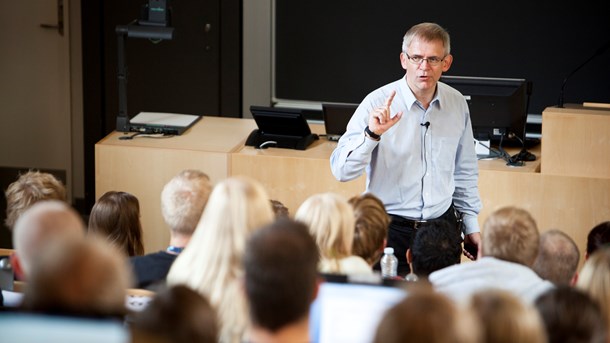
x: 415, y: 224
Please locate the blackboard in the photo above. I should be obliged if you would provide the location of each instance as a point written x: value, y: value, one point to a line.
x: 339, y: 50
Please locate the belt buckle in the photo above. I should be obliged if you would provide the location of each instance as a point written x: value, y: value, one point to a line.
x: 418, y: 223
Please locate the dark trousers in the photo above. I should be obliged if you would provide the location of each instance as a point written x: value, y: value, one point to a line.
x: 402, y: 232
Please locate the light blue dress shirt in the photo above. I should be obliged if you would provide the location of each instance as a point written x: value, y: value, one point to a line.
x: 417, y: 171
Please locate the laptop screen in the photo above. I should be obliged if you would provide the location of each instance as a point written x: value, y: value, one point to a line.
x: 336, y: 117
x: 350, y: 312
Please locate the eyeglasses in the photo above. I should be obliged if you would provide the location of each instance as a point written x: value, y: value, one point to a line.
x: 433, y: 61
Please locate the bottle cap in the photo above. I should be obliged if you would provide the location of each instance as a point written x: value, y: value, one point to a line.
x: 388, y: 250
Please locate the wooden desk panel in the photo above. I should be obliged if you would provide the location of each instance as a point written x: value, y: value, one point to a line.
x: 576, y: 141
x: 291, y: 176
x: 142, y: 166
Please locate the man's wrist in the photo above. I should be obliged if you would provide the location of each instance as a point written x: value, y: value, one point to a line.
x: 371, y: 134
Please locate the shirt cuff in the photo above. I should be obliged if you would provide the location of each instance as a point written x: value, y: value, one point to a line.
x: 470, y: 224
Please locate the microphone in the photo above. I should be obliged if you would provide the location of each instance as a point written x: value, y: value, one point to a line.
x: 426, y: 124
x: 598, y: 52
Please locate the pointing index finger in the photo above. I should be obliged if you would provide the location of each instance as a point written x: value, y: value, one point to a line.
x: 389, y: 100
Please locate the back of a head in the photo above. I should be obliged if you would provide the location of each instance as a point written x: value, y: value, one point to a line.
x: 428, y: 317
x: 279, y: 209
x: 212, y: 261
x: 598, y: 236
x: 177, y: 314
x: 331, y: 221
x: 505, y: 318
x: 42, y: 223
x: 372, y: 223
x: 116, y: 217
x: 435, y: 247
x: 594, y: 278
x: 183, y: 200
x: 281, y: 275
x: 28, y: 189
x: 571, y: 316
x: 511, y: 234
x: 86, y: 277
x: 558, y: 257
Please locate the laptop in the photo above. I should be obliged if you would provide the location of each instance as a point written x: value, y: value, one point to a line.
x: 336, y: 117
x: 348, y: 310
x: 163, y: 123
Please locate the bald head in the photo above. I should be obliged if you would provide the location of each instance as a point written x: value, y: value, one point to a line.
x: 43, y: 222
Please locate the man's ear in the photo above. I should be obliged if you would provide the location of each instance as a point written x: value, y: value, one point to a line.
x: 316, y: 288
x: 17, y: 268
x: 409, y: 256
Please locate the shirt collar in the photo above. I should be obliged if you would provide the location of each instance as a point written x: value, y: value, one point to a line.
x: 410, y: 99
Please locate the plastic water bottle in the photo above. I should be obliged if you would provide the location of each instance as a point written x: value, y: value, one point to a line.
x: 389, y: 263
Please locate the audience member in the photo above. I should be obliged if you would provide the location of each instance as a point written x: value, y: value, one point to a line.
x: 505, y: 318
x: 430, y: 317
x: 558, y: 258
x: 279, y: 209
x: 42, y: 223
x: 598, y: 236
x: 331, y: 221
x: 433, y: 248
x: 176, y: 314
x: 116, y: 217
x: 281, y: 282
x: 372, y: 223
x: 508, y: 249
x: 571, y: 316
x: 212, y: 261
x: 79, y: 277
x: 183, y: 200
x: 594, y: 278
x: 29, y: 188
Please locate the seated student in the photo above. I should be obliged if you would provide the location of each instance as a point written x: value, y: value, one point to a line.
x: 211, y: 263
x: 505, y: 318
x: 29, y: 188
x: 558, y: 258
x: 177, y: 314
x: 183, y: 200
x: 80, y: 277
x: 508, y: 249
x: 331, y: 221
x: 116, y: 216
x: 434, y: 248
x: 594, y: 279
x: 570, y: 315
x: 427, y: 316
x: 41, y: 224
x: 281, y: 282
x: 598, y: 236
x: 371, y: 232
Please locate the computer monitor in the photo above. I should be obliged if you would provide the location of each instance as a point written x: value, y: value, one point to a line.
x: 280, y: 127
x: 498, y: 106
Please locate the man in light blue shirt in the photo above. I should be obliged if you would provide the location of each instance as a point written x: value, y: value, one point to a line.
x: 413, y: 138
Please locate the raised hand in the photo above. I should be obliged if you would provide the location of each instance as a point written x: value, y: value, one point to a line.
x: 381, y: 119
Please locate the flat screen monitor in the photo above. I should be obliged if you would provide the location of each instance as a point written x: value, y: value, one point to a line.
x: 498, y: 106
x: 280, y: 127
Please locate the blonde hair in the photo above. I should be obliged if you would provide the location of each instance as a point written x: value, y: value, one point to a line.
x: 331, y: 221
x: 212, y: 261
x: 371, y: 227
x: 183, y: 199
x: 505, y: 318
x: 511, y: 234
x: 29, y: 188
x: 594, y: 278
